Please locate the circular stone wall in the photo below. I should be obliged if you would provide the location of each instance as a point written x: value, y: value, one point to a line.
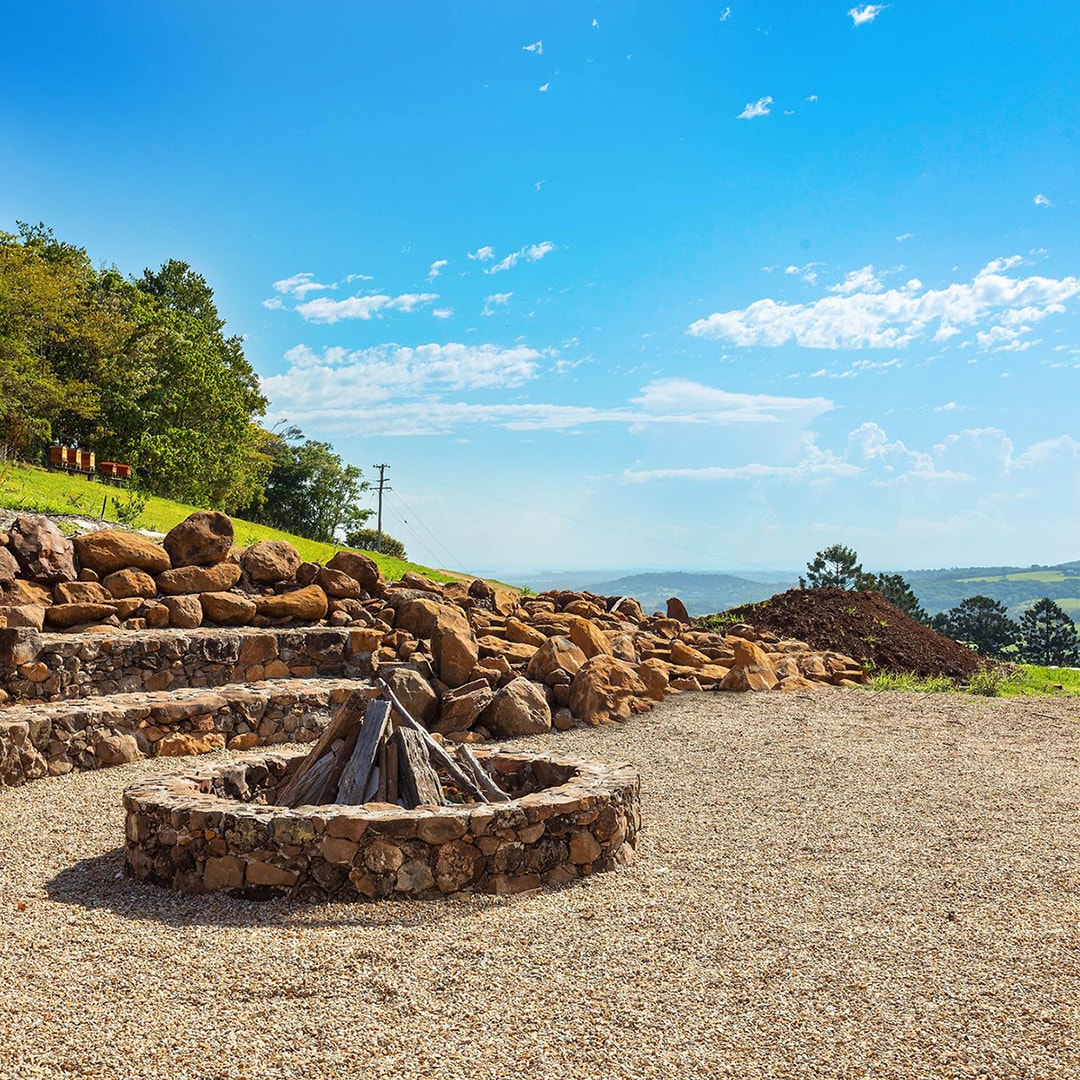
x: 211, y: 829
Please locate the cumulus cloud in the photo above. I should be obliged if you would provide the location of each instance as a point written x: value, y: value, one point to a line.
x: 530, y: 253
x: 324, y: 310
x: 755, y: 108
x: 299, y: 285
x: 436, y: 268
x: 1042, y: 200
x: 864, y: 280
x: 904, y: 236
x: 443, y: 313
x: 866, y: 14
x: 872, y: 318
x: 275, y: 303
x: 482, y: 254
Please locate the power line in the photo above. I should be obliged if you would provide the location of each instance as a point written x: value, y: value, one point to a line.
x: 383, y: 486
x: 454, y: 560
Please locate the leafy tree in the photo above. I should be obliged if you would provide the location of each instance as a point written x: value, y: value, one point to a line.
x: 367, y: 539
x: 983, y: 624
x: 836, y: 567
x: 895, y: 589
x: 1048, y: 636
x: 309, y: 490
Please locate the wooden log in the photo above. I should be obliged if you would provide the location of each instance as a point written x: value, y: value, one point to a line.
x: 418, y: 782
x: 391, y: 777
x: 353, y: 787
x: 482, y: 777
x: 341, y: 759
x: 436, y: 752
x: 309, y: 789
x: 352, y: 709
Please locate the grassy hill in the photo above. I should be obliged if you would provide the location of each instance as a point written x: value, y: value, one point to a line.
x: 29, y: 489
x: 701, y: 593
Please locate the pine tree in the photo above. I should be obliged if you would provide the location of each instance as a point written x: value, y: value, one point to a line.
x: 835, y: 567
x: 1048, y: 636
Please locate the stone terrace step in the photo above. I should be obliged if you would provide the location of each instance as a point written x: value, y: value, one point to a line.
x: 52, y: 738
x: 53, y: 667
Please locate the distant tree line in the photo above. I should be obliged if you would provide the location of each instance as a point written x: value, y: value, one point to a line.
x: 1045, y: 634
x: 142, y: 370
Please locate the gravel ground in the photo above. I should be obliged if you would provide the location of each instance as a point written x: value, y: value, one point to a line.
x: 836, y: 884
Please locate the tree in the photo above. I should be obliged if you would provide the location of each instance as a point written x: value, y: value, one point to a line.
x: 309, y: 491
x: 836, y: 567
x: 1048, y: 636
x: 983, y: 624
x: 366, y: 539
x: 895, y: 589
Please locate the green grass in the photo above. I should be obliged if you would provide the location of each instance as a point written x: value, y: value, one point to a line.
x: 1018, y: 680
x: 1045, y: 577
x: 38, y: 491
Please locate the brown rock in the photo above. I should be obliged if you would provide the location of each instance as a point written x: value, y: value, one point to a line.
x: 460, y: 708
x: 413, y: 691
x: 605, y: 689
x: 202, y: 539
x: 454, y: 647
x: 264, y: 873
x: 307, y: 605
x: 126, y: 583
x: 589, y: 638
x: 457, y: 865
x: 676, y: 609
x: 361, y: 569
x: 524, y: 634
x: 25, y: 615
x: 179, y: 744
x: 418, y: 617
x: 9, y: 566
x: 479, y: 589
x: 337, y: 583
x: 199, y: 579
x: 112, y: 549
x: 185, y: 612
x: 584, y: 847
x: 382, y: 857
x: 519, y: 708
x: 225, y: 872
x: 65, y: 615
x: 80, y: 592
x: 412, y: 580
x: 686, y: 656
x: 510, y: 651
x: 19, y: 645
x: 555, y: 654
x: 155, y: 614
x: 24, y: 592
x: 258, y: 648
x: 116, y: 749
x: 655, y: 674
x: 271, y: 561
x: 227, y: 608
x: 43, y: 552
x: 752, y: 669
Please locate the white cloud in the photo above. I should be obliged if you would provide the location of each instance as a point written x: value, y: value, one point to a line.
x: 1042, y: 200
x: 324, y: 310
x: 949, y: 406
x: 893, y: 318
x: 482, y: 254
x: 530, y: 253
x: 350, y: 278
x: 905, y: 236
x: 443, y: 313
x: 596, y: 24
x: 755, y: 108
x: 725, y: 14
x: 275, y: 303
x: 499, y: 299
x: 536, y: 47
x: 816, y: 464
x: 299, y: 285
x: 866, y: 14
x: 864, y: 280
x: 894, y: 462
x: 436, y: 268
x: 544, y: 89
x: 808, y: 272
x: 812, y: 98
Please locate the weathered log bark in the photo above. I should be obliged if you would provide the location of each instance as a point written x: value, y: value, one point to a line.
x: 357, y: 775
x: 482, y: 777
x: 417, y: 780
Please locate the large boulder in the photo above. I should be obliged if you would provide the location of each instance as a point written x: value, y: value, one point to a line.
x: 185, y: 612
x: 459, y: 708
x: 113, y: 549
x: 82, y: 592
x: 589, y: 638
x: 306, y: 605
x: 555, y: 654
x: 418, y: 617
x: 519, y: 708
x: 9, y: 566
x: 752, y: 669
x: 413, y: 691
x: 337, y: 584
x: 454, y: 647
x: 360, y: 568
x: 202, y: 539
x: 25, y: 615
x: 125, y: 583
x: 606, y: 689
x: 43, y: 552
x: 24, y: 592
x: 271, y: 561
x: 227, y: 608
x: 199, y: 579
x: 64, y: 615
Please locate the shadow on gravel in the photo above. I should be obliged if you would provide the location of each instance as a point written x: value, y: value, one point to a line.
x: 99, y: 884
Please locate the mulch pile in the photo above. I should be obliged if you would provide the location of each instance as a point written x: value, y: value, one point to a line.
x: 863, y: 625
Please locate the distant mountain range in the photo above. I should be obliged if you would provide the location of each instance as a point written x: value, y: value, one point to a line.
x: 1017, y: 587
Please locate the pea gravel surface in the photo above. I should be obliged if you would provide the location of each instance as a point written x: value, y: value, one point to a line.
x: 834, y: 884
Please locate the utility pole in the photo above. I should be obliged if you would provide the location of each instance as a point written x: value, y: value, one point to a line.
x: 383, y: 486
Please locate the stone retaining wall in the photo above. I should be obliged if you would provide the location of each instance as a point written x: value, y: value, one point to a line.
x: 205, y: 831
x: 52, y: 667
x: 53, y: 739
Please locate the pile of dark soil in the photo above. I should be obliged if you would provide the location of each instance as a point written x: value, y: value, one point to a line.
x: 862, y: 625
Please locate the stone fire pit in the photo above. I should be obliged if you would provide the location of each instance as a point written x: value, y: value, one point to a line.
x: 211, y: 829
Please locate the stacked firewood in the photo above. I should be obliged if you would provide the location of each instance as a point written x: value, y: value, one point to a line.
x: 374, y: 751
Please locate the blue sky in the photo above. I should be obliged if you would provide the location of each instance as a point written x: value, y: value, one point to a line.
x: 610, y: 284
